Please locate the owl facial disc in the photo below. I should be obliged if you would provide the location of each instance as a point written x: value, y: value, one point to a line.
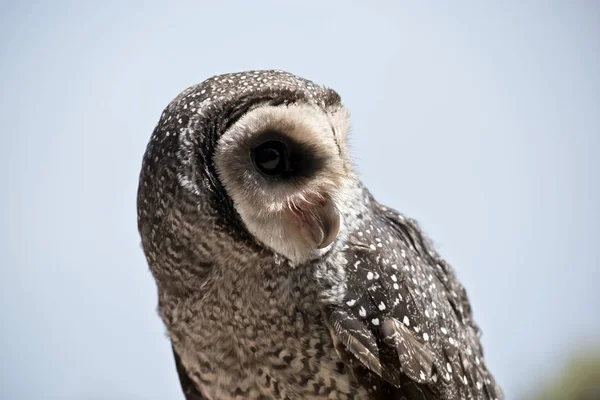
x: 284, y: 169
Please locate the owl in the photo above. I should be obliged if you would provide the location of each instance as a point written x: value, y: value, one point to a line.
x: 279, y: 276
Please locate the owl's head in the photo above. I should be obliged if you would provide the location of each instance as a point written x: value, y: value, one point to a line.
x: 259, y: 154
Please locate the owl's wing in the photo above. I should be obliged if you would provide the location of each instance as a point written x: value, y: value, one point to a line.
x: 189, y: 390
x: 405, y: 320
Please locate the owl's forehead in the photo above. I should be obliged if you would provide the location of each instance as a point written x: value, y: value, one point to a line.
x: 199, y: 115
x: 243, y: 83
x: 222, y: 99
x: 225, y: 89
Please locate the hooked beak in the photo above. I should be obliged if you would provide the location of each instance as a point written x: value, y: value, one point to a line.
x: 319, y: 224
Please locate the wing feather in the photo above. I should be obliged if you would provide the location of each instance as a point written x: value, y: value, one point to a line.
x: 405, y: 318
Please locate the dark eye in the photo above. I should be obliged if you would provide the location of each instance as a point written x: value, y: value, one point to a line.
x: 270, y: 157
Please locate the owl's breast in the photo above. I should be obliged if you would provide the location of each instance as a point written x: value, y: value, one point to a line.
x: 264, y: 337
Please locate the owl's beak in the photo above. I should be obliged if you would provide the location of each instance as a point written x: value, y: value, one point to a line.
x: 320, y: 224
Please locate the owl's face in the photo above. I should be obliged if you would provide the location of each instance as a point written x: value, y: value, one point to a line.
x: 285, y: 168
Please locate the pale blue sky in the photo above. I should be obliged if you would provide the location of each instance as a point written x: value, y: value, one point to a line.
x: 480, y: 120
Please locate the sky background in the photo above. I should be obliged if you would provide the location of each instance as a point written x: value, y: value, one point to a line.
x: 480, y: 120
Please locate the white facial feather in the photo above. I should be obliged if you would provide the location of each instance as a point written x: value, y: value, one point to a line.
x: 263, y: 205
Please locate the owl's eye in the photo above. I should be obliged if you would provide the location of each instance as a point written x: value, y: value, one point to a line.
x: 271, y: 157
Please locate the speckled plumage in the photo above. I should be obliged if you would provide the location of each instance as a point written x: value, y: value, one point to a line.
x: 377, y: 314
